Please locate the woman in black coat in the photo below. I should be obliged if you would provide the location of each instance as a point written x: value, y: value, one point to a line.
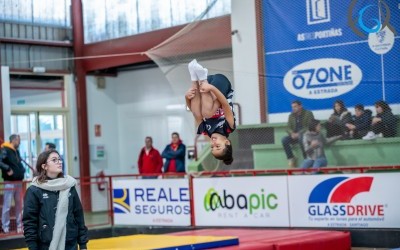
x: 336, y: 125
x: 384, y: 124
x: 53, y: 215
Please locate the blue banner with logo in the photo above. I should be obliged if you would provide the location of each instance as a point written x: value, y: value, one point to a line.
x: 319, y: 51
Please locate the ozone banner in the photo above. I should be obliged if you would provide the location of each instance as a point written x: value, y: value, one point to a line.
x: 241, y: 201
x: 151, y: 202
x: 345, y: 201
x: 318, y: 51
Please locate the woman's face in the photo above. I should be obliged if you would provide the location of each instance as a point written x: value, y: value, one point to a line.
x: 218, y: 143
x: 318, y: 128
x: 53, y: 165
x: 175, y: 139
x: 338, y: 107
x: 379, y: 109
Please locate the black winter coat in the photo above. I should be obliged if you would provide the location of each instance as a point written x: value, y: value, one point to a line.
x: 10, y: 159
x: 39, y: 217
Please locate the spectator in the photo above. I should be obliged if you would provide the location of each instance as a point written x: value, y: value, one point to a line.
x: 384, y: 123
x: 361, y: 122
x: 13, y: 173
x: 53, y: 215
x: 49, y: 146
x: 298, y: 122
x: 149, y: 161
x: 174, y: 154
x: 314, y: 143
x: 336, y: 124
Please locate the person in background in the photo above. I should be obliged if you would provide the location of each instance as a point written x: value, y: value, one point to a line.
x: 336, y: 124
x: 149, y: 161
x: 314, y: 143
x: 384, y: 124
x: 49, y: 146
x: 174, y: 154
x: 361, y: 123
x: 298, y: 123
x: 13, y: 173
x: 53, y: 215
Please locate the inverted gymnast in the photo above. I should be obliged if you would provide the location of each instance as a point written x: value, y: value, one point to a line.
x: 210, y: 100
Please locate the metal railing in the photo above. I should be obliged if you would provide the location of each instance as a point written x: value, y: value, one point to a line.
x: 102, y: 189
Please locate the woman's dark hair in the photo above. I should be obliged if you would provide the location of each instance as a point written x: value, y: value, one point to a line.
x: 359, y: 107
x: 342, y: 107
x: 385, y: 107
x: 312, y: 127
x: 42, y: 159
x: 297, y: 102
x: 175, y: 133
x: 226, y: 156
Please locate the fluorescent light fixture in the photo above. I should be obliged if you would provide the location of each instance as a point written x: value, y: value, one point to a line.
x: 39, y: 69
x: 176, y: 107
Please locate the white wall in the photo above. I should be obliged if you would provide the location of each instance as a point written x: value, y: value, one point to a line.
x: 102, y: 110
x: 245, y: 60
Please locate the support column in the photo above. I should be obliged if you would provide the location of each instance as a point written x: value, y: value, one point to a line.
x: 81, y: 99
x: 1, y: 109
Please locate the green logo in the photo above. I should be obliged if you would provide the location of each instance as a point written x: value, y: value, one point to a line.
x: 252, y: 202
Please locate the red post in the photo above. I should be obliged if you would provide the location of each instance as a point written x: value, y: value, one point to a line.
x: 110, y: 186
x: 192, y: 216
x: 81, y: 99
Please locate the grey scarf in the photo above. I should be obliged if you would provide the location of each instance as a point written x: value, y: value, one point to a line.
x: 63, y: 185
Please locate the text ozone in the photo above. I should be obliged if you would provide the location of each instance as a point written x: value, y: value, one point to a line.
x: 161, y: 194
x: 331, y: 75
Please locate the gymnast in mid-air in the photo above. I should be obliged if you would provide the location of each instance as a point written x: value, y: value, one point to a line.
x: 210, y: 101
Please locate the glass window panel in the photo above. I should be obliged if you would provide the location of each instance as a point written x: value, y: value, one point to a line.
x: 144, y: 15
x: 46, y: 122
x: 22, y: 124
x: 178, y: 12
x: 59, y: 122
x: 108, y: 19
x: 32, y: 121
x: 55, y: 12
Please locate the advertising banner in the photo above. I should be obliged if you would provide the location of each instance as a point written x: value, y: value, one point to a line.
x: 241, y: 201
x: 151, y: 202
x: 345, y: 201
x: 318, y: 51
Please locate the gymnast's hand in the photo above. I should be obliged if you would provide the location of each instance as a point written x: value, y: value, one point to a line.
x: 191, y: 93
x: 205, y: 87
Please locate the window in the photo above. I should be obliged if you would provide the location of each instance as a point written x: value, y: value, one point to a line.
x: 108, y: 19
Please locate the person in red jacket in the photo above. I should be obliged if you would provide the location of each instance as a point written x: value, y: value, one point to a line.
x: 150, y: 161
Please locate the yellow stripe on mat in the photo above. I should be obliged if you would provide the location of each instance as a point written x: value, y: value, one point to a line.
x: 145, y: 241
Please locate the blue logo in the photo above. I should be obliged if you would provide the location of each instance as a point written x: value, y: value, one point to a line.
x: 358, y: 24
x: 121, y: 201
x: 318, y: 11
